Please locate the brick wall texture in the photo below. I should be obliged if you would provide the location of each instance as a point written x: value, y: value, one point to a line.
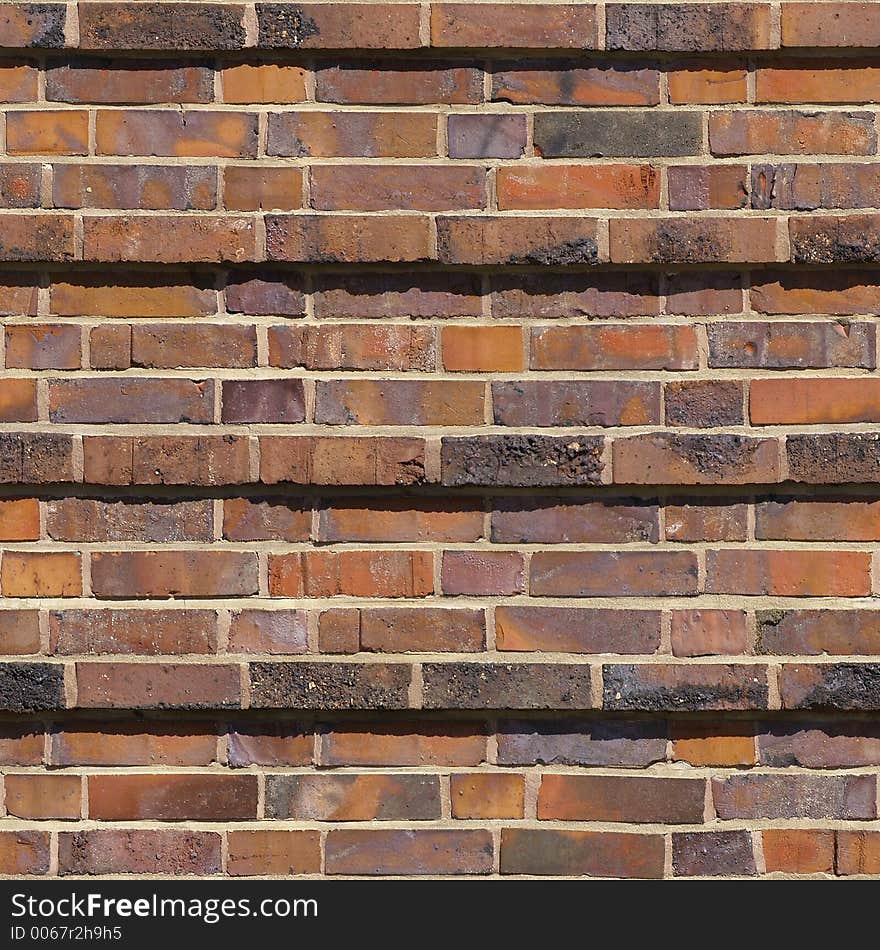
x: 439, y: 439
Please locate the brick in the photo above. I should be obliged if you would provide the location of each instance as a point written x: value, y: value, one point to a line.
x: 701, y: 187
x: 157, y: 686
x: 168, y: 239
x: 542, y: 522
x: 702, y: 854
x: 347, y: 238
x: 841, y: 686
x: 174, y: 574
x: 593, y: 403
x: 24, y: 852
x: 791, y: 345
x: 328, y: 686
x: 833, y: 458
x: 578, y: 186
x: 807, y: 401
x: 158, y: 26
x: 125, y: 83
x: 556, y: 741
x: 166, y: 851
x: 263, y: 400
x: 139, y: 632
x: 709, y: 632
x: 706, y: 84
x: 790, y: 519
x: 353, y: 346
x: 20, y: 519
x: 693, y: 241
x: 599, y: 85
x: 614, y: 347
x: 715, y: 744
x: 95, y: 296
x: 482, y: 349
x: 832, y: 24
x: 270, y: 519
x: 35, y: 457
x: 196, y: 797
x: 339, y: 631
x: 342, y: 461
x: 263, y: 83
x: 129, y: 400
x: 26, y: 687
x: 820, y: 745
x: 411, y: 852
x: 269, y: 743
x: 618, y: 798
x: 480, y: 574
x: 44, y: 346
x: 696, y: 27
x: 858, y: 852
x: 171, y: 132
x: 709, y: 522
x: 418, y: 296
x: 757, y: 795
x: 273, y: 852
x: 33, y: 25
x: 19, y: 186
x: 18, y: 296
x: 43, y: 796
x: 18, y: 82
x: 403, y: 744
x: 486, y: 136
x: 554, y: 296
x: 508, y: 240
x: 18, y: 400
x: 704, y: 404
x: 39, y: 237
x: 521, y: 460
x: 788, y: 132
x: 669, y: 458
x: 110, y: 347
x: 362, y: 797
x: 609, y: 574
x: 354, y: 134
x: 487, y: 796
x: 827, y: 240
x: 47, y: 133
x: 661, y: 687
x: 147, y: 744
x: 855, y: 82
x: 576, y: 630
x: 798, y: 851
x: 542, y: 25
x: 275, y: 631
x: 582, y: 853
x: 21, y: 744
x: 247, y: 188
x: 506, y: 686
x: 390, y: 573
x: 19, y: 634
x: 401, y: 520
x: 815, y: 632
x: 406, y: 84
x: 410, y: 188
x: 807, y: 187
x: 253, y: 295
x: 789, y: 573
x: 146, y: 187
x: 41, y: 574
x: 616, y: 133
x: 163, y: 346
x: 399, y: 402
x: 694, y: 294
x: 835, y: 293
x: 342, y: 26
x: 421, y: 629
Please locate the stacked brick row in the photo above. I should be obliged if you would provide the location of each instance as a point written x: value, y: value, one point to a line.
x: 439, y: 439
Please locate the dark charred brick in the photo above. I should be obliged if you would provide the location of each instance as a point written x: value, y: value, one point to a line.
x: 840, y: 686
x: 506, y: 686
x: 581, y: 742
x: 656, y: 687
x: 284, y: 25
x: 853, y: 239
x: 31, y: 686
x: 830, y: 458
x: 614, y: 133
x: 32, y: 25
x: 30, y: 458
x: 327, y: 686
x: 522, y: 460
x: 704, y: 403
x: 161, y: 26
x: 704, y: 854
x: 687, y: 27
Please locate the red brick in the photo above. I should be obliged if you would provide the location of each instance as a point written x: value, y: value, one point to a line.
x: 695, y: 240
x: 140, y: 632
x: 576, y: 630
x: 798, y: 851
x: 174, y: 574
x: 41, y: 574
x: 145, y: 187
x: 701, y: 187
x: 578, y: 186
x: 487, y: 796
x: 403, y: 744
x: 793, y: 520
x: 164, y: 346
x: 540, y: 25
x: 613, y: 574
x: 719, y: 522
x: 340, y: 26
x: 706, y: 84
x: 270, y: 519
x: 509, y: 240
x: 397, y: 187
x: 401, y: 520
x: 263, y: 83
x: 97, y: 296
x: 858, y: 852
x: 618, y: 798
x: 273, y: 852
x: 354, y: 134
x: 149, y: 743
x: 615, y: 347
x: 168, y: 239
x: 157, y: 685
x: 353, y: 346
x: 174, y: 797
x: 18, y: 82
x: 169, y: 132
x: 268, y: 631
x: 43, y: 346
x: 20, y: 519
x: 708, y: 632
x: 47, y: 133
x: 482, y: 574
x: 517, y: 521
x: 356, y: 573
x: 811, y: 401
x: 482, y: 349
x: 43, y: 796
x: 789, y: 573
x: 131, y: 400
x: 23, y: 852
x: 247, y: 188
x: 408, y: 852
x: 399, y: 403
x: 831, y: 24
x: 415, y: 84
x: 38, y: 237
x: 165, y: 851
x: 757, y: 132
x: 269, y: 743
x: 159, y: 26
x: 126, y: 83
x: 601, y: 85
x: 347, y: 238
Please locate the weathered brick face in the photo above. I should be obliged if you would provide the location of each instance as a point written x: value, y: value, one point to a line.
x: 439, y: 439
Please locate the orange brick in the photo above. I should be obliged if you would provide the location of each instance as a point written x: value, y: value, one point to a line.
x: 263, y: 83
x: 487, y: 796
x: 20, y: 520
x: 47, y: 133
x: 482, y: 349
x: 40, y: 574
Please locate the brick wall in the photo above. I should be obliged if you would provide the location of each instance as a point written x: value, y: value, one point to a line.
x: 439, y: 439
